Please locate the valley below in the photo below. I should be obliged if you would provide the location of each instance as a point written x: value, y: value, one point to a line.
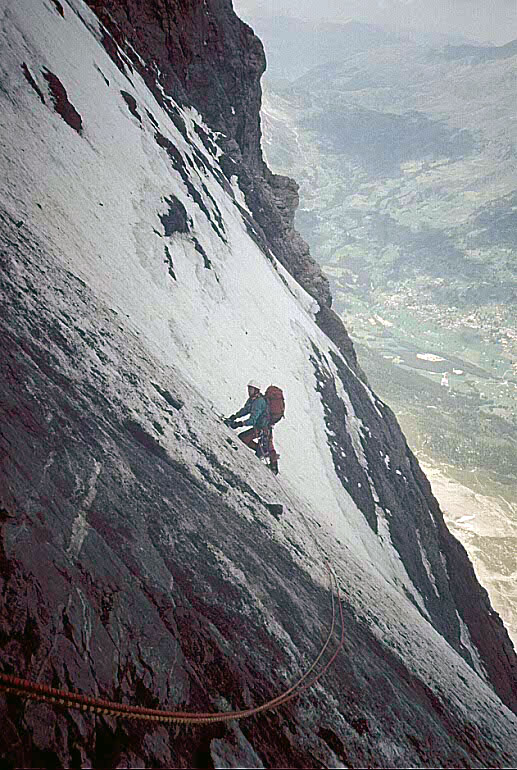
x: 406, y: 160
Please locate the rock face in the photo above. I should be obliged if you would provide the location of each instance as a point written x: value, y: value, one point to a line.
x: 146, y: 556
x: 125, y: 568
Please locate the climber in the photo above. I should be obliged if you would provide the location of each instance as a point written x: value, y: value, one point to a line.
x: 267, y: 448
x: 257, y: 408
x: 265, y: 411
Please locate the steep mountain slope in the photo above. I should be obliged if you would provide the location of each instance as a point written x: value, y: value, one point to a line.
x: 206, y: 58
x: 146, y: 555
x: 406, y: 159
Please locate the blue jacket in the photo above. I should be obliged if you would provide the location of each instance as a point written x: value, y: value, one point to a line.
x: 258, y: 411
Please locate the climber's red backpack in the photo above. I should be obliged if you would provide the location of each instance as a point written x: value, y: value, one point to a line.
x: 275, y: 400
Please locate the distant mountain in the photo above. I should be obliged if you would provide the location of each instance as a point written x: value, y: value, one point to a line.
x: 294, y: 46
x: 481, y: 53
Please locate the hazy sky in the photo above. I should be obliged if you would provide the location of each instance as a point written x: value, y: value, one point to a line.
x: 483, y: 20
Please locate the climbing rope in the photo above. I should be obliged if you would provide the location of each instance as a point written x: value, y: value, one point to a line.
x: 41, y: 692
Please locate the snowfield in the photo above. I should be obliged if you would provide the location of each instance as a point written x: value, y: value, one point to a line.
x: 98, y: 204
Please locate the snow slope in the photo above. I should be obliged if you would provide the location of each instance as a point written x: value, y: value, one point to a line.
x: 97, y: 199
x: 198, y: 302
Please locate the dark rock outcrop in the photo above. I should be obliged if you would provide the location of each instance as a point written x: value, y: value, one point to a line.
x: 62, y: 104
x: 131, y: 104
